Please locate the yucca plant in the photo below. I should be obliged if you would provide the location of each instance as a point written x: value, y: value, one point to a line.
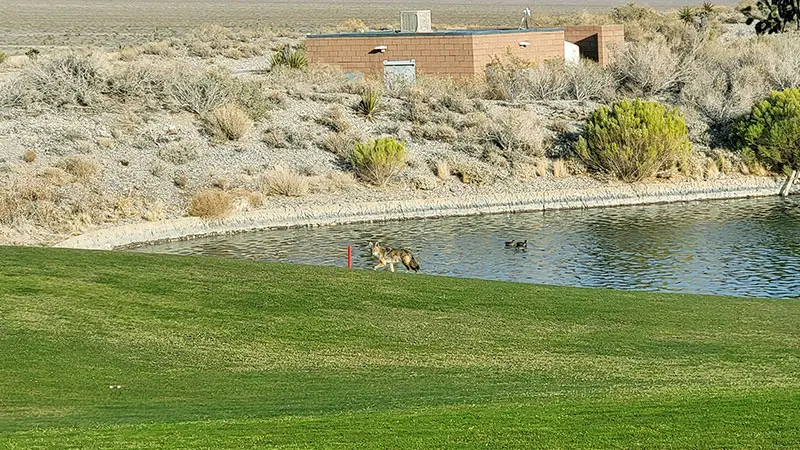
x: 370, y: 103
x: 686, y: 15
x: 379, y: 160
x: 708, y: 8
x: 286, y: 56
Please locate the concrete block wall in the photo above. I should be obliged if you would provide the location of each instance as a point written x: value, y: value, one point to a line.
x: 455, y: 54
x: 597, y: 42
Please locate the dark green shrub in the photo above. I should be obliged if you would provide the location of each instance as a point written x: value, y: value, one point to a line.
x: 634, y: 139
x: 379, y: 160
x: 771, y: 133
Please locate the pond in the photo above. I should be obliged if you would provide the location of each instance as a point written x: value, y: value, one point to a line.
x: 745, y: 247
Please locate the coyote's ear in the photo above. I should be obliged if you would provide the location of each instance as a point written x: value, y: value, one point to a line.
x: 371, y: 244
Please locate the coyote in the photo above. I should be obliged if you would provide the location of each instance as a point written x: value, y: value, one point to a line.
x: 391, y: 257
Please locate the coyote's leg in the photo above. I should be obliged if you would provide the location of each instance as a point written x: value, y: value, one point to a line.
x: 391, y: 266
x: 380, y: 264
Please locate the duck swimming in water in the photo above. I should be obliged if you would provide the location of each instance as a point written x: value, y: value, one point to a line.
x: 521, y: 245
x: 510, y: 243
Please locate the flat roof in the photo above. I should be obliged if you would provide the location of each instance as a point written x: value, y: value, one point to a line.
x: 389, y: 33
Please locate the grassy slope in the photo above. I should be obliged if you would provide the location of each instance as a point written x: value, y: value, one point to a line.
x: 233, y: 354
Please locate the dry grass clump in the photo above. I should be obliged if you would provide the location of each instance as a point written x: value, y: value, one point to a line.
x: 588, y: 81
x: 340, y: 144
x: 211, y: 204
x: 128, y: 54
x: 199, y: 92
x: 560, y: 169
x: 434, y: 132
x: 56, y: 176
x: 335, y: 119
x: 284, y: 182
x: 515, y: 134
x: 84, y: 170
x: 442, y: 170
x: 228, y: 122
x: 471, y: 171
x: 160, y: 48
x: 276, y: 137
x: 353, y: 25
x: 178, y: 152
x: 213, y: 40
x: 29, y: 156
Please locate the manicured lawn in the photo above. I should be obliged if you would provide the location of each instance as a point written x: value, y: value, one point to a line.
x: 234, y: 354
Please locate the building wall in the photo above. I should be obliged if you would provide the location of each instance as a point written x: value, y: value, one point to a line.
x: 597, y: 42
x: 458, y: 54
x: 451, y: 55
x: 544, y: 45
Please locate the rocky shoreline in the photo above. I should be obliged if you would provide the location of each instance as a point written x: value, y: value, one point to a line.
x: 331, y: 213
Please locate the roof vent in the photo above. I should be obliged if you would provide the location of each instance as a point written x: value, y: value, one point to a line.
x: 415, y: 21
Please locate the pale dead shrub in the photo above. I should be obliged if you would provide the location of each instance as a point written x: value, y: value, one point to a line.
x: 335, y: 119
x: 340, y: 144
x: 228, y: 122
x: 160, y: 48
x: 284, y: 182
x: 588, y: 81
x: 211, y: 204
x: 442, y: 170
x: 653, y: 67
x: 29, y: 156
x: 84, y: 170
x: 434, y: 132
x: 69, y: 80
x: 560, y: 169
x: 56, y: 176
x: 178, y: 152
x: 515, y: 134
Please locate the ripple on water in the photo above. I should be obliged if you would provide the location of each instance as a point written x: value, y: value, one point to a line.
x: 747, y: 247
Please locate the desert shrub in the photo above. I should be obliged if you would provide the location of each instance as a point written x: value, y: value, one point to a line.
x: 160, y: 48
x: 442, y: 170
x: 560, y: 168
x: 471, y: 171
x: 353, y: 25
x: 29, y: 156
x: 253, y: 96
x: 653, y: 67
x: 128, y: 54
x: 634, y: 139
x: 70, y: 80
x: 276, y: 137
x: 284, y: 182
x: 725, y: 84
x: 588, y: 81
x: 228, y: 122
x: 84, y: 170
x: 211, y: 204
x: 370, y: 103
x: 771, y: 132
x: 199, y: 92
x: 335, y: 119
x: 547, y: 81
x: 179, y: 152
x: 515, y: 135
x: 434, y: 132
x: 3, y: 57
x: 145, y: 81
x: 506, y: 77
x: 379, y: 160
x: 340, y: 144
x: 778, y: 57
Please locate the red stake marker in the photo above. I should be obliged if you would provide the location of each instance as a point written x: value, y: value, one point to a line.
x: 349, y: 257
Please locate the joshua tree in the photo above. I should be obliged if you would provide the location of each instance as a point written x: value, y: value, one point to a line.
x: 773, y: 16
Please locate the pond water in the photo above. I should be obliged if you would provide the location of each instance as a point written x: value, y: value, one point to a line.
x: 746, y: 247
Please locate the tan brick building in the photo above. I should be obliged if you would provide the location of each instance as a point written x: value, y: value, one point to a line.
x: 458, y: 52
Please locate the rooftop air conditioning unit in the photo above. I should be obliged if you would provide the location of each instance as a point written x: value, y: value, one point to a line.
x: 415, y: 21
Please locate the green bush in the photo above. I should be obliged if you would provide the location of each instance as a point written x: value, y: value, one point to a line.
x: 379, y: 160
x: 634, y: 139
x: 3, y: 57
x: 771, y: 133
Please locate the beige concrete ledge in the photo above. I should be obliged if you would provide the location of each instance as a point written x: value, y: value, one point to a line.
x: 350, y: 212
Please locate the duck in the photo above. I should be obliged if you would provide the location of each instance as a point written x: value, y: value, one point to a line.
x: 510, y: 243
x: 521, y: 245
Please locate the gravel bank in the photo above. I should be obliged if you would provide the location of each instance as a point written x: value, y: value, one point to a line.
x: 317, y: 213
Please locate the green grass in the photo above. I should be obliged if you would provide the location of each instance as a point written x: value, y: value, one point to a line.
x: 235, y: 354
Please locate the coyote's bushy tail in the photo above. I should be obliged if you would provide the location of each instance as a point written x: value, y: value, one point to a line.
x: 413, y: 264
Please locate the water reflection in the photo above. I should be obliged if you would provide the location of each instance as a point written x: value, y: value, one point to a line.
x: 748, y: 247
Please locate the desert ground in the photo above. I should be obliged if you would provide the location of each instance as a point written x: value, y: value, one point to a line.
x: 115, y: 22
